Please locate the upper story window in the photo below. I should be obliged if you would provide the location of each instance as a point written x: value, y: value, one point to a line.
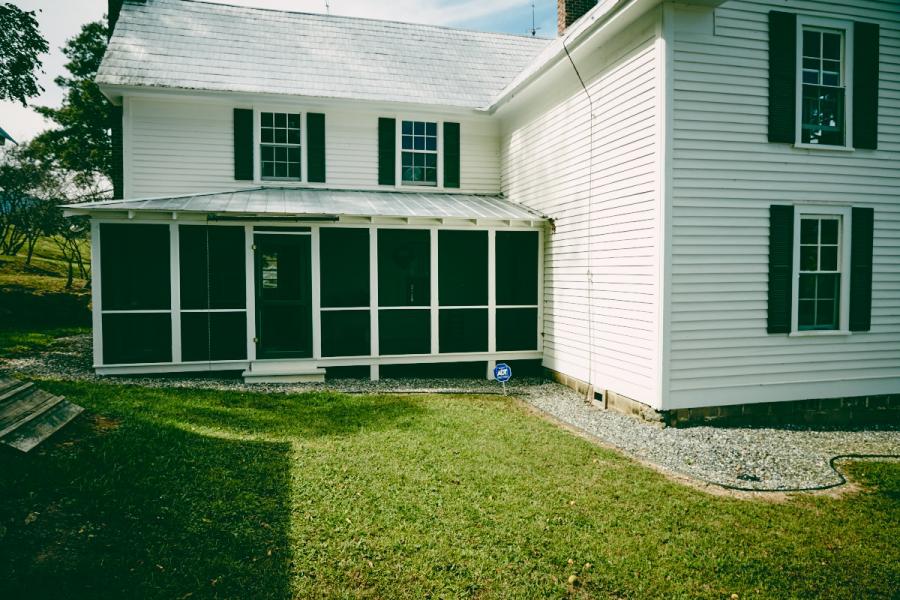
x: 279, y: 145
x: 419, y: 153
x: 823, y: 104
x: 819, y: 281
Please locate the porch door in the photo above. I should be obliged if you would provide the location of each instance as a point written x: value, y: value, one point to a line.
x: 283, y: 295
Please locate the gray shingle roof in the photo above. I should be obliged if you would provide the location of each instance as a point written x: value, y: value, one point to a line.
x: 328, y: 203
x: 191, y: 44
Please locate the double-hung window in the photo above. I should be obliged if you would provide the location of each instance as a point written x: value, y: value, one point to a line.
x: 823, y: 106
x: 419, y: 153
x: 279, y: 145
x: 819, y: 284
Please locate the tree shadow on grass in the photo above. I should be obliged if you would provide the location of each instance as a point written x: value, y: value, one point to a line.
x: 267, y: 416
x: 139, y: 509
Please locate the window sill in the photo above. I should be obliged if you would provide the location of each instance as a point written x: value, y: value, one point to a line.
x: 822, y: 147
x: 820, y: 332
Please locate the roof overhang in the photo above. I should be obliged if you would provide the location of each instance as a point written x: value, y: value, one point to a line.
x: 317, y: 205
x: 595, y: 27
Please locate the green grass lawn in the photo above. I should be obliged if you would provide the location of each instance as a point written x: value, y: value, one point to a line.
x: 201, y: 494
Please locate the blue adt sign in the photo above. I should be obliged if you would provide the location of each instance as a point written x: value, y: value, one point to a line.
x: 502, y: 372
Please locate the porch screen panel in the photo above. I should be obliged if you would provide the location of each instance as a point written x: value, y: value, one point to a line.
x: 517, y: 273
x: 136, y: 293
x: 132, y: 338
x: 344, y: 272
x: 404, y: 332
x: 463, y: 291
x: 346, y: 333
x: 213, y: 293
x: 344, y: 276
x: 404, y: 269
x: 404, y: 291
x: 134, y: 263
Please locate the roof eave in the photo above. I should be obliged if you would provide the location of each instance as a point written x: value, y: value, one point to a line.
x: 597, y: 25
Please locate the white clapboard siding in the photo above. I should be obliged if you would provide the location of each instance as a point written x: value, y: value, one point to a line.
x: 545, y: 149
x: 175, y: 146
x: 725, y: 176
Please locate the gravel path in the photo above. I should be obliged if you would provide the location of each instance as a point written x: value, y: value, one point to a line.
x: 774, y: 459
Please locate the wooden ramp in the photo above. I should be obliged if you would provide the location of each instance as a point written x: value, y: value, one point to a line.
x: 29, y: 415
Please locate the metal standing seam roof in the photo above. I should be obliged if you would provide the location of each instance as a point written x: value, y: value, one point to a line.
x: 277, y: 201
x: 191, y: 44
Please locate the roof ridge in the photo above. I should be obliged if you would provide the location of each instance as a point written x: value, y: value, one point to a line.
x: 521, y: 36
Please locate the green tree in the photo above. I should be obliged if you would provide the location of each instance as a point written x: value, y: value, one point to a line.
x: 82, y: 142
x: 21, y: 45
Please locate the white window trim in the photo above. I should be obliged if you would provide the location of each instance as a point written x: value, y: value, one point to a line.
x: 847, y: 64
x: 258, y: 179
x: 439, y: 184
x: 845, y: 241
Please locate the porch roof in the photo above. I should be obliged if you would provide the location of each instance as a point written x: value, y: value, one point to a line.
x: 322, y: 203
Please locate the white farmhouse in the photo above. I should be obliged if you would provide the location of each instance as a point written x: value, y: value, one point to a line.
x: 688, y: 208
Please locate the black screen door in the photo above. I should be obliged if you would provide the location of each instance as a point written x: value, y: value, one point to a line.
x: 283, y: 296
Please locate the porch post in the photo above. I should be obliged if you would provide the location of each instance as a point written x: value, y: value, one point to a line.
x: 492, y: 300
x: 96, y: 294
x: 175, y: 279
x: 374, y: 374
x: 250, y: 267
x: 316, y: 294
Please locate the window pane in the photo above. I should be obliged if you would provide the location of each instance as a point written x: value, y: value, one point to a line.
x: 266, y: 136
x: 268, y: 169
x: 407, y: 127
x: 431, y: 129
x: 809, y: 258
x: 293, y: 155
x: 517, y: 267
x: 831, y: 46
x: 404, y: 332
x: 294, y: 136
x: 280, y: 169
x: 463, y: 330
x: 807, y: 286
x: 404, y: 267
x: 137, y: 338
x: 823, y: 115
x: 267, y: 153
x: 811, y: 43
x: 294, y: 121
x: 294, y: 171
x: 825, y: 314
x: 419, y: 128
x: 462, y: 268
x: 516, y: 329
x: 809, y: 231
x: 346, y: 333
x: 806, y: 316
x: 829, y: 231
x: 827, y: 286
x: 135, y: 267
x: 266, y: 119
x: 828, y: 259
x: 344, y: 259
x: 280, y: 120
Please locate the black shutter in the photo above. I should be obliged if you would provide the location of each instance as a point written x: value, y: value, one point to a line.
x: 315, y: 153
x: 782, y: 76
x: 781, y: 262
x: 387, y: 151
x: 243, y: 144
x: 117, y: 170
x: 861, y: 269
x: 865, y: 85
x: 451, y: 155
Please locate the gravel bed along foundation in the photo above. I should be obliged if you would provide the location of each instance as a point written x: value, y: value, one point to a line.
x: 772, y: 459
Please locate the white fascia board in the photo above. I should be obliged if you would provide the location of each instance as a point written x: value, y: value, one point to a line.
x: 312, y: 103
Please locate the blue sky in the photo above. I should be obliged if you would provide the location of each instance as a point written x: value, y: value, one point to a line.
x: 61, y: 19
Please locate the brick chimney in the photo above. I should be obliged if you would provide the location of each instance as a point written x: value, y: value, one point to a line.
x: 569, y: 11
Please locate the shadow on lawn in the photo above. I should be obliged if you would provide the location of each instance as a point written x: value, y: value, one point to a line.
x: 139, y: 509
x: 272, y: 416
